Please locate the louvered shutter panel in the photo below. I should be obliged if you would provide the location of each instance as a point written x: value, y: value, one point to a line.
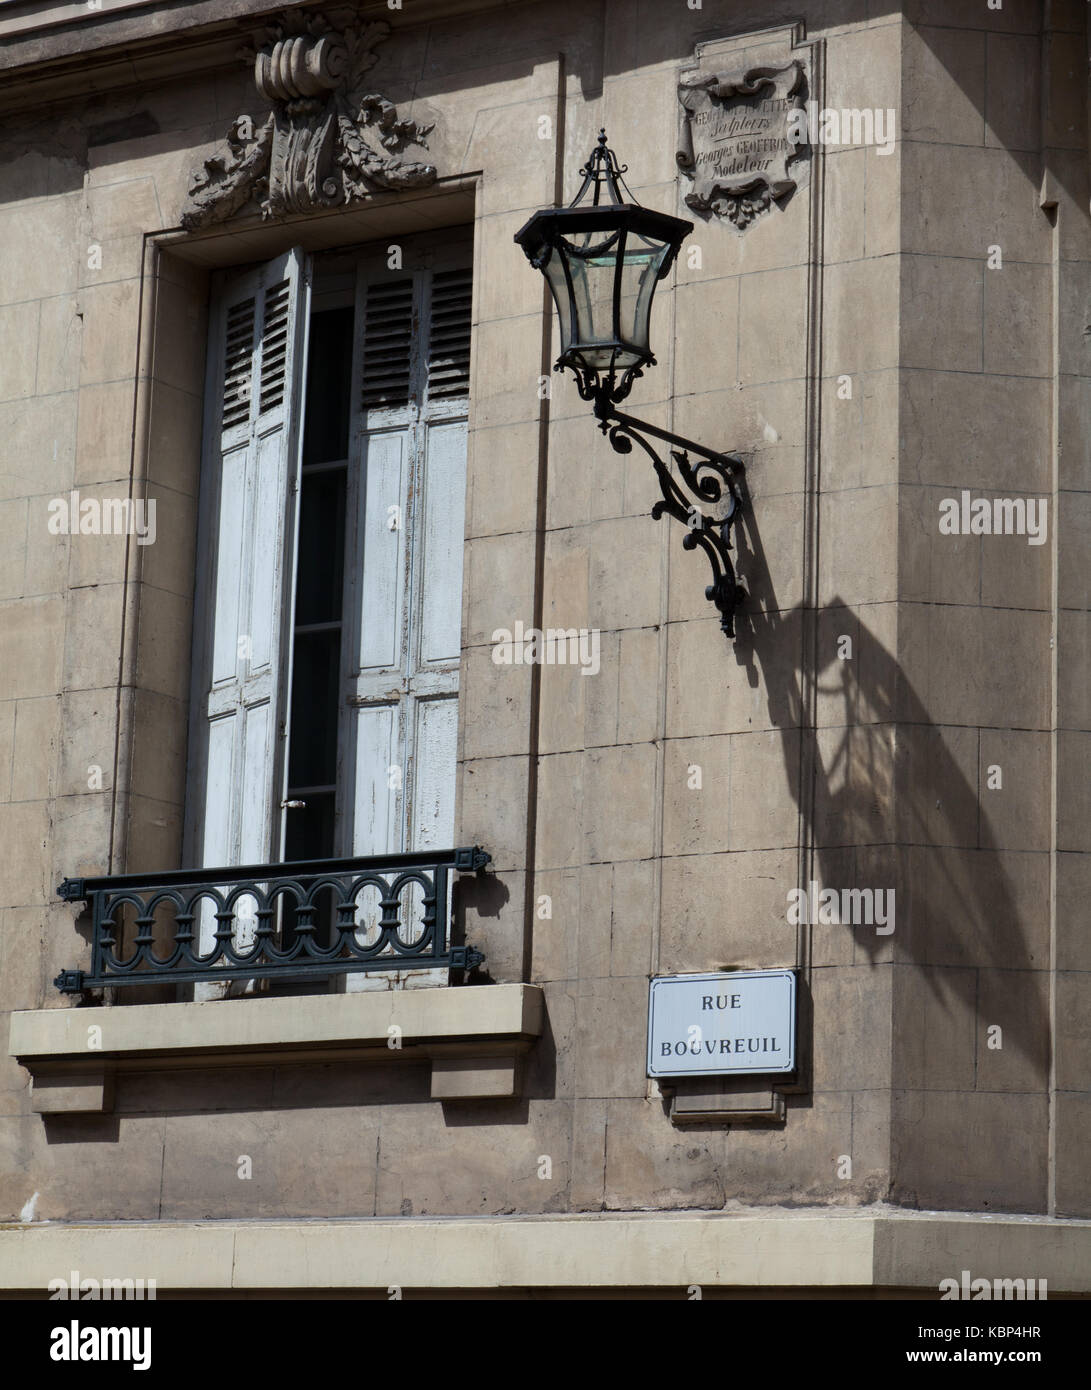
x: 412, y: 367
x: 449, y: 339
x: 249, y: 482
x: 386, y: 370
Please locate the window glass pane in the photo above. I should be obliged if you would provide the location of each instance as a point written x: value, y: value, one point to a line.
x: 313, y: 758
x: 321, y: 548
x: 309, y: 835
x: 329, y: 370
x: 309, y: 829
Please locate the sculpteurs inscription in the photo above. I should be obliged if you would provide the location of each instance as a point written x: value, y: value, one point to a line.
x: 737, y: 136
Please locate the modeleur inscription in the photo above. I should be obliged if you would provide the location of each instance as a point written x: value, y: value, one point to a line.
x: 731, y: 1024
x: 735, y: 138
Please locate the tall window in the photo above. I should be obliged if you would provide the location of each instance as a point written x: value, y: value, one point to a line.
x: 326, y: 652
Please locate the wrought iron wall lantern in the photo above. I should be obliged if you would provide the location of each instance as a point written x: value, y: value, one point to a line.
x: 602, y: 260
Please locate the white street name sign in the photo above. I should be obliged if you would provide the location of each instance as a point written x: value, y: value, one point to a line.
x: 738, y: 1023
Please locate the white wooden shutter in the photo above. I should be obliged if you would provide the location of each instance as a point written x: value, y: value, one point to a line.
x: 435, y: 644
x: 257, y: 347
x: 411, y: 384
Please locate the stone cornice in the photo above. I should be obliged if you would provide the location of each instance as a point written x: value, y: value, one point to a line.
x: 123, y: 46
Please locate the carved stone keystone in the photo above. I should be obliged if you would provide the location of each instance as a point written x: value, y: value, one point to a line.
x: 328, y: 141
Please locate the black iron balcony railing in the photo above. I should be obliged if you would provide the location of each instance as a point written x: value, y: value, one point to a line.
x: 304, y: 920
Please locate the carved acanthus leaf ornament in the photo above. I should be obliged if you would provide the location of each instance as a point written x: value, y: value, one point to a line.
x: 327, y: 141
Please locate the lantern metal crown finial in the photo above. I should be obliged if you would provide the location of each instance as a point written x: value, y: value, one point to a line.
x: 602, y: 168
x: 602, y: 258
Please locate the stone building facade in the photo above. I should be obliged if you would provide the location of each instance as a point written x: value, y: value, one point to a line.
x: 262, y: 314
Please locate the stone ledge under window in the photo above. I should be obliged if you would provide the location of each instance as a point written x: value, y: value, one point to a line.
x: 475, y: 1037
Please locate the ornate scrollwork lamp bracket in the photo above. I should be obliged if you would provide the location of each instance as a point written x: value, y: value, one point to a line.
x: 703, y: 496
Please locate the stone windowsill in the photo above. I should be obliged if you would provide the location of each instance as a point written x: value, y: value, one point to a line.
x: 474, y: 1036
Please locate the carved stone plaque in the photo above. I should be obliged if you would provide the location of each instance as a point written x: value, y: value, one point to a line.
x: 737, y: 137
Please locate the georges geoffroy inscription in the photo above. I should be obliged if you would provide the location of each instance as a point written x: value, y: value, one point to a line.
x: 735, y: 140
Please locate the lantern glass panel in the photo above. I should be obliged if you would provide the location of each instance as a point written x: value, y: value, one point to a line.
x: 640, y: 266
x: 592, y: 271
x: 591, y: 260
x: 558, y: 285
x: 585, y: 296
